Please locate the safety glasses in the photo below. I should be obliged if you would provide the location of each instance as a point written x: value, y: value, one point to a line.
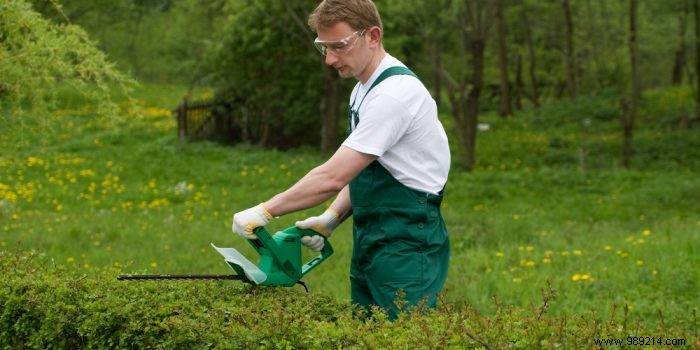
x: 338, y: 47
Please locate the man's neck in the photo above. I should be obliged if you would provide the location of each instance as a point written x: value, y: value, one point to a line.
x: 373, y: 64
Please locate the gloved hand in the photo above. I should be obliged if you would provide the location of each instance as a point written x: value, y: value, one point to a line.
x: 323, y: 224
x: 245, y: 221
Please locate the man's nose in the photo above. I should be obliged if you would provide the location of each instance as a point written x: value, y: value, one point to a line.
x: 331, y: 57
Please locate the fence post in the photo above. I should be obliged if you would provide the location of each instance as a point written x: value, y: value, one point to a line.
x: 182, y: 120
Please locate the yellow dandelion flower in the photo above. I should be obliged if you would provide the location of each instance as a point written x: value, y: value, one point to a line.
x: 565, y: 253
x: 577, y: 252
x: 646, y: 232
x: 154, y: 264
x: 70, y: 260
x: 546, y: 261
x: 517, y: 280
x: 576, y: 277
x: 586, y: 277
x: 607, y: 247
x: 516, y: 216
x: 500, y: 254
x: 640, y: 262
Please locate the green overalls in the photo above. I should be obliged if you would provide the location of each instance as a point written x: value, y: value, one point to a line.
x: 400, y: 239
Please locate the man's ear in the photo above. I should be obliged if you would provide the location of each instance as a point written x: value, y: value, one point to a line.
x: 375, y: 36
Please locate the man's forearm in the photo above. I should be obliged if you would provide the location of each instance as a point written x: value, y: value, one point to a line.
x: 342, y: 205
x: 312, y: 190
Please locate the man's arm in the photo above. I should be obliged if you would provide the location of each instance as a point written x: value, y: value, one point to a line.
x: 322, y: 183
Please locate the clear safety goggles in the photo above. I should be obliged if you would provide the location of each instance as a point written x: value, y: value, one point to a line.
x: 338, y: 47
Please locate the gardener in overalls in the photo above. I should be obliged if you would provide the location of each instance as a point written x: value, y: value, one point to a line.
x: 389, y: 173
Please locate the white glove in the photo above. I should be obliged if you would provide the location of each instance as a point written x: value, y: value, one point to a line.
x: 323, y: 224
x: 244, y: 222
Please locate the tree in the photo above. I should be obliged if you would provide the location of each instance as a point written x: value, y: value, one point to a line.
x: 696, y: 13
x: 464, y: 89
x: 36, y: 57
x: 569, y: 52
x: 679, y: 56
x: 263, y: 57
x: 629, y: 110
x: 506, y: 100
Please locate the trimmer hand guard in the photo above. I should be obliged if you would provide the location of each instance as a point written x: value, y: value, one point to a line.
x: 280, y: 257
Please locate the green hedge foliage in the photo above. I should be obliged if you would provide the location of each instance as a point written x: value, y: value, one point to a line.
x: 43, y: 306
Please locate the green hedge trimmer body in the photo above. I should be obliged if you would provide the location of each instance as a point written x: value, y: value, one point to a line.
x: 280, y: 260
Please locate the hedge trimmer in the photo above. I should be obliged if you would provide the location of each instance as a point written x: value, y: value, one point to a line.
x: 279, y: 265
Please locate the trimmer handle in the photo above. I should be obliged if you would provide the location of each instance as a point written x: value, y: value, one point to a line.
x: 327, y: 248
x: 266, y: 241
x: 325, y: 252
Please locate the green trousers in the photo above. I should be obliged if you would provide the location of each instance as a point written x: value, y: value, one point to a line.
x: 400, y: 243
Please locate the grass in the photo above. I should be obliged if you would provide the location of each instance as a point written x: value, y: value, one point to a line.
x: 548, y: 206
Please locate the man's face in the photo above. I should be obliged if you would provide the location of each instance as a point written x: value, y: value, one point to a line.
x: 346, y: 49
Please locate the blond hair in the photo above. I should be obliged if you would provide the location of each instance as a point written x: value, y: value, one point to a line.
x: 359, y: 14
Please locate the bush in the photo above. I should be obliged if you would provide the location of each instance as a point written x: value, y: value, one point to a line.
x: 46, y: 306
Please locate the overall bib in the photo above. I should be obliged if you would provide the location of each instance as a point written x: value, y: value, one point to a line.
x: 400, y: 239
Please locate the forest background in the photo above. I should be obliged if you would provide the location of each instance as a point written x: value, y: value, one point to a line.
x: 574, y: 187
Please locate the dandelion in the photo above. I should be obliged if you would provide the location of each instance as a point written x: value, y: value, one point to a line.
x: 565, y: 253
x: 500, y: 254
x: 527, y: 263
x: 70, y: 260
x: 517, y: 280
x: 154, y: 264
x: 577, y: 252
x: 640, y: 262
x: 581, y: 277
x: 516, y: 217
x: 646, y: 232
x: 607, y: 247
x: 546, y: 260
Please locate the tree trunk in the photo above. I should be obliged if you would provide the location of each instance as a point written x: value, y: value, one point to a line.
x: 532, y: 57
x: 569, y: 54
x: 472, y: 110
x: 679, y: 56
x: 506, y: 100
x: 629, y: 110
x: 437, y: 77
x: 519, y: 85
x: 330, y: 108
x: 464, y: 99
x: 696, y: 12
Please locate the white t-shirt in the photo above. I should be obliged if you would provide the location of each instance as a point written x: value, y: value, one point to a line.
x: 399, y: 124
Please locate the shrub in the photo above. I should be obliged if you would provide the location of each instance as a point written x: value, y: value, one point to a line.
x: 46, y: 306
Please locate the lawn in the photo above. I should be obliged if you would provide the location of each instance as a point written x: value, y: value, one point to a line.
x: 548, y: 214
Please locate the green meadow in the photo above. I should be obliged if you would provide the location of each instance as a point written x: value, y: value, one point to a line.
x: 549, y: 215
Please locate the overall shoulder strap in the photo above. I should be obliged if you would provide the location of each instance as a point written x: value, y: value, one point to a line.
x: 391, y: 71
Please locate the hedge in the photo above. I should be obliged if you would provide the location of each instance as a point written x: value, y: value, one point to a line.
x: 43, y: 306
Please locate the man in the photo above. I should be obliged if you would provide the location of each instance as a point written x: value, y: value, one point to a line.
x: 389, y: 173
